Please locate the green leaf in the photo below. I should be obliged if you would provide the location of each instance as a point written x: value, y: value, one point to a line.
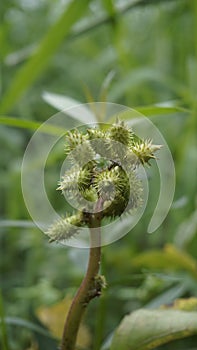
x: 31, y: 70
x: 82, y: 113
x: 30, y: 125
x: 148, y: 111
x: 186, y: 231
x: 143, y: 75
x: 127, y: 114
x: 153, y: 110
x: 168, y: 296
x: 17, y: 223
x: 16, y: 321
x: 107, y: 343
x: 170, y: 258
x: 148, y: 329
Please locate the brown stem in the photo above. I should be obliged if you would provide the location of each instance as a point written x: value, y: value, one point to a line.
x: 89, y: 288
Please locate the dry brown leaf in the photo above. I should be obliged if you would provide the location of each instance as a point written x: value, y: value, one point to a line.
x: 53, y: 317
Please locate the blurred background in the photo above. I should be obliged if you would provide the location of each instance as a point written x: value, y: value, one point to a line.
x: 142, y: 54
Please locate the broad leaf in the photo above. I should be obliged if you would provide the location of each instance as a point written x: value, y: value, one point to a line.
x: 61, y: 102
x: 169, y: 258
x: 148, y: 329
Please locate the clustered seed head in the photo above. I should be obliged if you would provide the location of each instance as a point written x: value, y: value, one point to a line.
x: 102, y: 170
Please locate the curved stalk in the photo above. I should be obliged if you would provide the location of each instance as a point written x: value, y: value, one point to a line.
x: 90, y: 286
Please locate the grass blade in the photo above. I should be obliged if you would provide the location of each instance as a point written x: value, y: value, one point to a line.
x: 16, y: 321
x: 34, y: 68
x: 30, y: 125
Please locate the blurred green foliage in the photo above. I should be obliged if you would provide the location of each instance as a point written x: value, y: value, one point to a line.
x: 142, y: 54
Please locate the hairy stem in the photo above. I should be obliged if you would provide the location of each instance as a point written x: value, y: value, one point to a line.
x: 89, y: 288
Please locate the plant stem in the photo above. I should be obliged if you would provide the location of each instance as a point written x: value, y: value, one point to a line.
x: 89, y: 288
x: 101, y: 313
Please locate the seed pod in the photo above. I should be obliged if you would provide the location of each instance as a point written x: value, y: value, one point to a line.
x: 78, y: 148
x: 64, y: 228
x: 145, y: 150
x: 121, y: 133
